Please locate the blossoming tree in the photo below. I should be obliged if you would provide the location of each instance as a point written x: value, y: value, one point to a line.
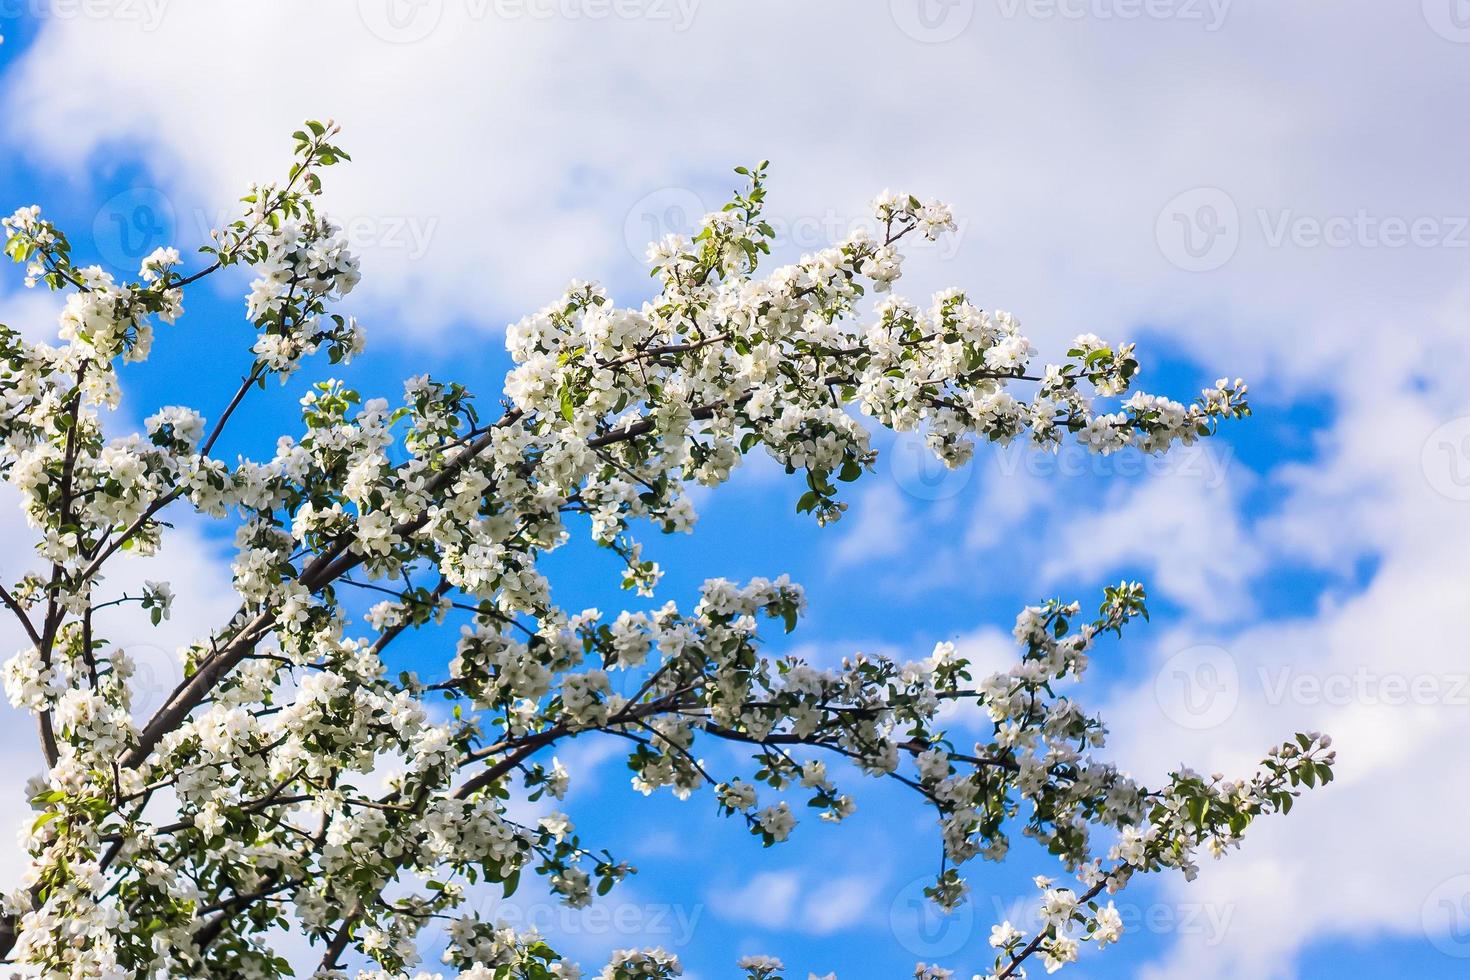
x: 289, y: 784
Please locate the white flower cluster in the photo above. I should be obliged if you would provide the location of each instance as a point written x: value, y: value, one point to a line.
x: 1190, y: 812
x: 187, y: 842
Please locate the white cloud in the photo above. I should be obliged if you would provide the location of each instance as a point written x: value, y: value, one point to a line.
x: 530, y: 145
x: 796, y: 901
x: 990, y: 650
x: 1385, y: 672
x: 768, y: 900
x: 841, y: 903
x: 32, y: 312
x: 204, y: 599
x: 877, y: 526
x: 525, y: 148
x: 1008, y: 497
x: 1190, y: 537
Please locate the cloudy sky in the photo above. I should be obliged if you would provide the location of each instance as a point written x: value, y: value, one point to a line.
x: 1273, y: 189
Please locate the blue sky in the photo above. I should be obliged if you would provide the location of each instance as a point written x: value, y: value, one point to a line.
x: 1262, y: 189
